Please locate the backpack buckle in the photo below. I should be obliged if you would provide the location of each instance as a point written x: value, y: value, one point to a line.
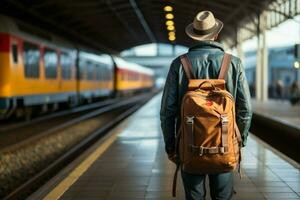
x: 200, y: 151
x: 224, y: 119
x: 190, y: 119
x: 222, y: 150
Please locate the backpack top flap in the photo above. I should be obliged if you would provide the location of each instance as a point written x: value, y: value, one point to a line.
x: 195, y: 83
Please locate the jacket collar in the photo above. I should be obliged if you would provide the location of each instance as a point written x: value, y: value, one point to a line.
x: 207, y: 44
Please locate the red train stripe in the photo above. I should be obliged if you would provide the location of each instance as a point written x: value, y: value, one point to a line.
x: 4, y: 42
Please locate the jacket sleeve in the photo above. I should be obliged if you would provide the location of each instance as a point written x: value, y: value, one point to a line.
x: 169, y: 109
x: 243, y: 105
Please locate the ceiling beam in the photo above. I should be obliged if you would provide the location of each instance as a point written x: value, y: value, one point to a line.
x: 236, y: 11
x: 142, y: 21
x: 121, y: 20
x: 60, y: 27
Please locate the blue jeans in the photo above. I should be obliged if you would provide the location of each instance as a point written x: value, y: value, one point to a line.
x: 221, y: 186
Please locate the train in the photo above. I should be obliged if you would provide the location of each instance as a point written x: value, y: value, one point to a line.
x: 42, y: 72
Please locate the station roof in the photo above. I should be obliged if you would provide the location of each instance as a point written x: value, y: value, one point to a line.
x: 116, y: 25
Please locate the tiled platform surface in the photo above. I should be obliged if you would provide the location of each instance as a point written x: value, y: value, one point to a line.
x: 136, y: 167
x: 278, y: 110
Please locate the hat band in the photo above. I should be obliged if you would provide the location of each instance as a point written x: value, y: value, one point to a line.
x: 207, y: 31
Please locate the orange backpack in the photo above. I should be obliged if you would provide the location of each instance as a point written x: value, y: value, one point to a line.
x: 209, y: 140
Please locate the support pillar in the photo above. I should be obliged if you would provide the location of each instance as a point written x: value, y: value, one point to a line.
x: 226, y: 46
x: 298, y: 76
x: 157, y: 49
x: 239, y: 46
x: 298, y: 70
x: 261, y: 85
x: 173, y: 50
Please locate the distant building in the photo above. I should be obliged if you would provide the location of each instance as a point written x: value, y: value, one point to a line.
x: 280, y: 67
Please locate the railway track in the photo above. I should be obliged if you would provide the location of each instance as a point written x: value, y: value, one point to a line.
x: 6, y: 125
x: 10, y: 134
x: 109, y: 115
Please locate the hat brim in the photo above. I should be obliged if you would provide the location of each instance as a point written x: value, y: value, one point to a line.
x: 189, y: 30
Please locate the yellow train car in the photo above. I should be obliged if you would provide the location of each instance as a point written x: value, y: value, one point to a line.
x: 41, y: 72
x: 132, y: 78
x: 35, y: 70
x: 96, y: 75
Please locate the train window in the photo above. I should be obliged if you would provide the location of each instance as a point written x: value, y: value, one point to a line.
x: 122, y: 75
x: 50, y: 59
x: 128, y: 74
x: 103, y: 71
x: 106, y: 73
x: 98, y: 72
x: 14, y: 51
x: 90, y: 71
x: 31, y: 60
x: 109, y: 75
x: 66, y: 65
x: 82, y: 69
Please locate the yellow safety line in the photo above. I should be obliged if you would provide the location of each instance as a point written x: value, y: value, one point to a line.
x: 63, y: 186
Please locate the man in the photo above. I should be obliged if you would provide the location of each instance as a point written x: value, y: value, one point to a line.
x: 206, y: 57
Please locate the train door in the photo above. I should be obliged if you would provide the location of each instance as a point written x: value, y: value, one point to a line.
x: 115, y: 78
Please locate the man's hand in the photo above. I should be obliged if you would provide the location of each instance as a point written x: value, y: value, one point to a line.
x: 173, y: 157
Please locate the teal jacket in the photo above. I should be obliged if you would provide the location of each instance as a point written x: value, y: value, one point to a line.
x: 206, y: 58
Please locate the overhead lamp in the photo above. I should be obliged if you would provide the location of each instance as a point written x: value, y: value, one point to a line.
x: 297, y: 65
x: 168, y: 9
x: 169, y: 16
x: 172, y: 38
x: 169, y: 23
x: 170, y: 28
x: 171, y: 33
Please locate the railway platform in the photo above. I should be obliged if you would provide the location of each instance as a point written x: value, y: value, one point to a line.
x: 130, y: 163
x: 280, y: 111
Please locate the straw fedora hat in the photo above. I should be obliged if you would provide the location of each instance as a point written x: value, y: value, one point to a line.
x: 205, y: 26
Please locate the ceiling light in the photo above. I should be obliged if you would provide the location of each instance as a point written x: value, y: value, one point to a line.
x: 297, y: 65
x: 169, y: 23
x: 168, y: 8
x: 171, y: 33
x: 172, y: 38
x: 169, y: 16
x: 171, y: 28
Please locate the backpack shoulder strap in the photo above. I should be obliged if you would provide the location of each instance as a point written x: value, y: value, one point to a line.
x: 187, y: 66
x: 225, y: 65
x: 175, y: 180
